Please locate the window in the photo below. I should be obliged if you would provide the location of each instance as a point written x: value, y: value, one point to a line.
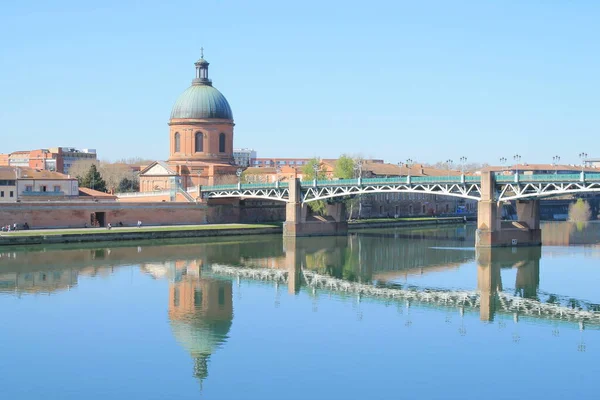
x: 29, y: 188
x: 43, y: 188
x: 57, y: 188
x: 2, y: 194
x: 199, y: 142
x: 177, y: 142
x: 12, y: 194
x: 221, y: 143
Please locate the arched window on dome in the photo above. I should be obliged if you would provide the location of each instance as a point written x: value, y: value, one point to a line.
x: 221, y: 143
x: 177, y: 142
x: 199, y: 142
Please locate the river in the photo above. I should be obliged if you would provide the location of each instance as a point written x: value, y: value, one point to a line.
x: 377, y: 314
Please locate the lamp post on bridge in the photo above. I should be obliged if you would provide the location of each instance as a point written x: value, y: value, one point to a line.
x: 502, y: 162
x: 583, y: 156
x: 316, y: 169
x: 449, y: 165
x: 555, y: 161
x: 409, y: 163
x: 517, y: 158
x: 238, y: 173
x: 358, y: 170
x: 277, y: 172
x: 463, y: 161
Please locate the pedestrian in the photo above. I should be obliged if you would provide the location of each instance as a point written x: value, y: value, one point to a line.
x: 139, y: 224
x: 108, y: 226
x: 15, y: 226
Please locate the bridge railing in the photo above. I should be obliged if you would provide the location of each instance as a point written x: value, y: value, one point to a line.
x: 576, y: 177
x: 283, y: 185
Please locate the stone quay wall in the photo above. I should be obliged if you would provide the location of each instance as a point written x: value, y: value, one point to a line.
x: 78, y: 214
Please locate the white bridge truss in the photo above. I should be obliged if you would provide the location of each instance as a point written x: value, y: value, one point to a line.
x: 468, y: 299
x: 506, y: 187
x: 275, y: 194
x: 515, y: 191
x: 466, y: 191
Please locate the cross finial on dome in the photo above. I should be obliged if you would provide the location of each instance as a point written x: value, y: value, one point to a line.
x: 201, y: 52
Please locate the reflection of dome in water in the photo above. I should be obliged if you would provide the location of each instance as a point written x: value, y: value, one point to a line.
x: 200, y: 339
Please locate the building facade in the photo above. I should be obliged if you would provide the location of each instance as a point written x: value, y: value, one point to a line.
x: 57, y: 159
x: 244, y: 157
x: 30, y: 184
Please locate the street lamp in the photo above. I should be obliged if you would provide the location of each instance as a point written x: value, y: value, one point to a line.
x: 463, y: 161
x: 517, y: 159
x: 555, y: 161
x: 316, y: 169
x: 449, y: 165
x: 238, y: 173
x: 358, y: 169
x: 583, y: 156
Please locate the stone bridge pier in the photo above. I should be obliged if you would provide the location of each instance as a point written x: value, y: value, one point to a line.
x: 493, y: 232
x: 298, y: 222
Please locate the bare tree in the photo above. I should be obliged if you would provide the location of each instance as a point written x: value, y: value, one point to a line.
x: 114, y: 173
x: 80, y: 168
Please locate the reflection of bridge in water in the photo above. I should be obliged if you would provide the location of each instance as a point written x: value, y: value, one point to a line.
x: 489, y: 298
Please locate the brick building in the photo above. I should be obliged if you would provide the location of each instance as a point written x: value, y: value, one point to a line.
x: 57, y: 159
x: 201, y: 139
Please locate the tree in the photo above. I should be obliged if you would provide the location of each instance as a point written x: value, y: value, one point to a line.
x: 114, y: 173
x: 579, y: 211
x: 344, y: 167
x: 308, y: 170
x: 93, y: 180
x: 80, y: 168
x: 129, y: 185
x: 308, y: 174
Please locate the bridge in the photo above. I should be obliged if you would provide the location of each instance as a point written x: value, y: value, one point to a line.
x: 489, y: 189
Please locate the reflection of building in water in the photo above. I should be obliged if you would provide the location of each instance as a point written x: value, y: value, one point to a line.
x: 200, y: 309
x: 45, y: 281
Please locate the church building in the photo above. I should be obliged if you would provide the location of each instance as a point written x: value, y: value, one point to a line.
x: 201, y: 140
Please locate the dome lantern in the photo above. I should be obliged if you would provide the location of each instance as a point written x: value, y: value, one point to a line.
x: 201, y: 71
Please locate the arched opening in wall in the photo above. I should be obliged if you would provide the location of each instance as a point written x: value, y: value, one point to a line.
x: 447, y: 207
x: 221, y: 143
x: 424, y: 210
x: 410, y: 209
x: 177, y: 142
x: 199, y: 142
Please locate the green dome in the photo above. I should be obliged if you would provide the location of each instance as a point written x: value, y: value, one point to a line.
x: 201, y: 101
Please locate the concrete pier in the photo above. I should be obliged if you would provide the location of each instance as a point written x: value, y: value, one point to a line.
x: 493, y: 232
x: 299, y: 223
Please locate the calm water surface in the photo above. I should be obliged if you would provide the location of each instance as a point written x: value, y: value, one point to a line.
x: 379, y: 314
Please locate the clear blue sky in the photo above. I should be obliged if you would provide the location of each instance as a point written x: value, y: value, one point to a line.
x: 427, y: 80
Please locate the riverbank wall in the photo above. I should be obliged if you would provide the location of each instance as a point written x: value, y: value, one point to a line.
x: 149, y: 233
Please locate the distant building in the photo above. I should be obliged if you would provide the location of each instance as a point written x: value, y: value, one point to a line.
x: 243, y: 157
x: 70, y: 155
x: 57, y: 159
x: 592, y: 162
x: 292, y: 162
x: 29, y: 184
